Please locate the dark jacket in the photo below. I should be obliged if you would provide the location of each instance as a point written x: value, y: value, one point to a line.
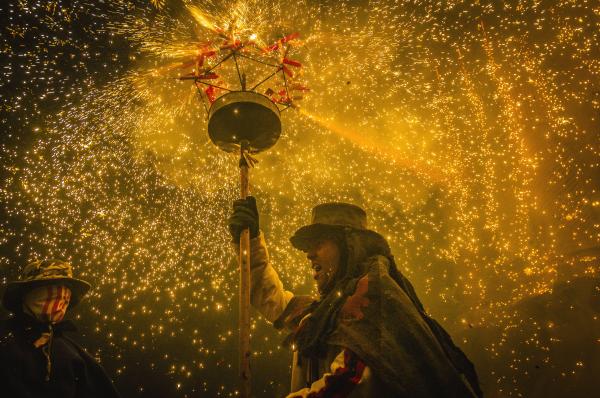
x: 23, y: 367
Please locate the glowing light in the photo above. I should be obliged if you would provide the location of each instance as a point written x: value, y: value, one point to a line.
x: 467, y: 130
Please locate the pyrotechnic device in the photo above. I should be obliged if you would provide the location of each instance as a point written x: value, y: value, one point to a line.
x: 247, y: 121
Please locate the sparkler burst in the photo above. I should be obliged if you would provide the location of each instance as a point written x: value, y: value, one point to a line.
x: 469, y: 132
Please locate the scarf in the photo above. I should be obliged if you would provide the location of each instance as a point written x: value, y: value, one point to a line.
x: 312, y: 334
x: 48, y: 305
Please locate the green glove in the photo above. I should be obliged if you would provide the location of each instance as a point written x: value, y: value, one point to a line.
x: 245, y: 215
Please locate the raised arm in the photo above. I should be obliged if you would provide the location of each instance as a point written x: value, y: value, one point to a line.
x: 267, y: 294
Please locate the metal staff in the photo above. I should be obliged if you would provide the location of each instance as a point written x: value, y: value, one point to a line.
x: 244, y: 299
x: 247, y: 122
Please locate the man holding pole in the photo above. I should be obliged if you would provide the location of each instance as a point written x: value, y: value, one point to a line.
x: 367, y: 335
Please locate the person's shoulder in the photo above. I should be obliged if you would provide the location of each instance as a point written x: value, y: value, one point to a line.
x: 7, y: 331
x: 383, y: 275
x: 94, y: 369
x: 73, y: 344
x: 5, y: 323
x: 378, y: 264
x: 8, y: 324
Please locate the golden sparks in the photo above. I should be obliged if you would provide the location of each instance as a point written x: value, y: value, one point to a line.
x: 467, y: 130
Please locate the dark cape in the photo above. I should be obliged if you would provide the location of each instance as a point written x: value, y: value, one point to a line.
x: 23, y: 367
x: 374, y: 311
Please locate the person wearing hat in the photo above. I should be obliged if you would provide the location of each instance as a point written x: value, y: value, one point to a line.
x: 367, y: 334
x: 37, y: 358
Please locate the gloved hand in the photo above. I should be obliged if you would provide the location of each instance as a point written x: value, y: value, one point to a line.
x: 245, y: 215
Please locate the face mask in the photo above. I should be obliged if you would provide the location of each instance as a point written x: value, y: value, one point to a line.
x: 47, y: 303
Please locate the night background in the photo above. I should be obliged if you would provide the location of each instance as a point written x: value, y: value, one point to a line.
x: 469, y: 131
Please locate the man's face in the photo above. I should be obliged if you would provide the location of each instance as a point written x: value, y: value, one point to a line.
x: 324, y: 256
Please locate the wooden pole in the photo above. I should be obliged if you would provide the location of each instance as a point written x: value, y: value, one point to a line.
x: 244, y: 262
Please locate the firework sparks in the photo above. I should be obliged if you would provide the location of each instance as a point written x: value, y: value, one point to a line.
x: 468, y: 132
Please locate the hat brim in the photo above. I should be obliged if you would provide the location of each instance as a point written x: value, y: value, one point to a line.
x: 13, y: 295
x: 307, y: 235
x: 304, y: 237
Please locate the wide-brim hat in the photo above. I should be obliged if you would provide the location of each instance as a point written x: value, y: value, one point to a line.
x: 41, y: 273
x: 332, y: 218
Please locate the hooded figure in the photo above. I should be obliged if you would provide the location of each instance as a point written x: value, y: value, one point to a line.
x: 37, y: 359
x: 367, y: 335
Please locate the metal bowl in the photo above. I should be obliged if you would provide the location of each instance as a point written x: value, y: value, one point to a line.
x: 244, y: 115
